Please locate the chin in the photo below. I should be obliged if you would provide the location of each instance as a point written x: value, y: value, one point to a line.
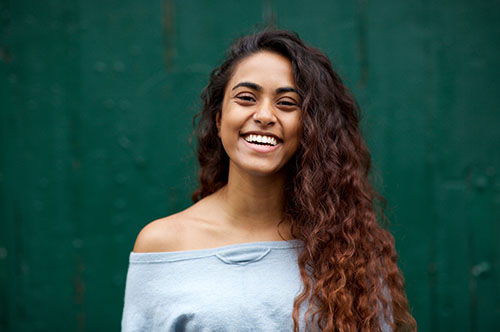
x: 264, y: 171
x: 258, y: 168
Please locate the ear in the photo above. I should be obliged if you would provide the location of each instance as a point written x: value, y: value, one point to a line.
x: 217, y: 123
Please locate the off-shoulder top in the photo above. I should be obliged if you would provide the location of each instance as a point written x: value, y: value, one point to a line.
x: 236, y: 288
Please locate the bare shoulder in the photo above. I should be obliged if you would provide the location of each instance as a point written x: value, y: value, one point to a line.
x: 192, y: 228
x: 188, y: 229
x: 161, y: 235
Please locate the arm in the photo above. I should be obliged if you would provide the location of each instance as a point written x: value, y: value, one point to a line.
x: 141, y: 293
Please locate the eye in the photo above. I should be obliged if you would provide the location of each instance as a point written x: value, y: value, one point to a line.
x: 287, y: 103
x: 246, y: 98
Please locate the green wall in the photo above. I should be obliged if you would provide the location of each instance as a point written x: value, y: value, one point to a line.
x: 96, y: 103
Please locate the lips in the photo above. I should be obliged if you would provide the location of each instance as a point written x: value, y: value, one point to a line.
x: 261, y: 137
x: 259, y: 147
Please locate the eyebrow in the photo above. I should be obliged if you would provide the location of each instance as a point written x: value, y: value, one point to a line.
x: 258, y: 88
x: 286, y: 89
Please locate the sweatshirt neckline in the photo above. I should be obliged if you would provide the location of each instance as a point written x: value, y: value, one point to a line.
x: 232, y: 249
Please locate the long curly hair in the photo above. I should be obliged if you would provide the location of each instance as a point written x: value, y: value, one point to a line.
x: 348, y: 265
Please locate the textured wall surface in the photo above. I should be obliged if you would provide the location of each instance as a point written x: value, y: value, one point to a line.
x: 96, y: 104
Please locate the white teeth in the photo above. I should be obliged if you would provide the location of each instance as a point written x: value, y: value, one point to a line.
x: 261, y: 139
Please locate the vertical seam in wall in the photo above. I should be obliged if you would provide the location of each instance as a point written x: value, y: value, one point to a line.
x: 268, y: 13
x: 168, y: 32
x: 426, y: 24
x: 362, y: 44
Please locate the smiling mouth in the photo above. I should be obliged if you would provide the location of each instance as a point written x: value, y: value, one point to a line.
x: 261, y: 139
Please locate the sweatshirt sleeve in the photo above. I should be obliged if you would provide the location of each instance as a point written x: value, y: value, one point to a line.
x: 139, y: 303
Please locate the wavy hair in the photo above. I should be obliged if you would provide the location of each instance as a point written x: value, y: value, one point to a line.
x: 348, y: 266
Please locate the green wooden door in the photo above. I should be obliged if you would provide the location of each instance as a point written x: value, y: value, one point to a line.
x: 96, y: 102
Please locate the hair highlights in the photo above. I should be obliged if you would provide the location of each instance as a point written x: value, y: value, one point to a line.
x: 348, y: 265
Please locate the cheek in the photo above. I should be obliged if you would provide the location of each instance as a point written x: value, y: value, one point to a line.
x: 227, y: 128
x: 297, y: 137
x: 231, y: 120
x: 295, y: 129
x: 229, y: 131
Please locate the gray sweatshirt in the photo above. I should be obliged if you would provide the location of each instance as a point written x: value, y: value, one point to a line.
x: 236, y: 288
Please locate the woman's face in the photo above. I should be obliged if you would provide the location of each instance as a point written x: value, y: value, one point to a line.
x: 260, y: 121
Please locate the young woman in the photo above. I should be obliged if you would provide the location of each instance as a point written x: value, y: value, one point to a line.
x: 283, y: 235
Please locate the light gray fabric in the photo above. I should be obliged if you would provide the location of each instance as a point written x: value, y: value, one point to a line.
x: 242, y: 287
x: 236, y: 288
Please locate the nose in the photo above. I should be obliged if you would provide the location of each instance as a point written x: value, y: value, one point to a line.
x: 264, y: 115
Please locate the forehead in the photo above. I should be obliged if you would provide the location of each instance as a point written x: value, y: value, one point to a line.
x: 264, y: 68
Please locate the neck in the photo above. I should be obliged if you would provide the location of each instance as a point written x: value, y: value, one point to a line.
x: 252, y: 201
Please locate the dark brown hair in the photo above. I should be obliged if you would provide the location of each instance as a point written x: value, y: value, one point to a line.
x: 348, y: 264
